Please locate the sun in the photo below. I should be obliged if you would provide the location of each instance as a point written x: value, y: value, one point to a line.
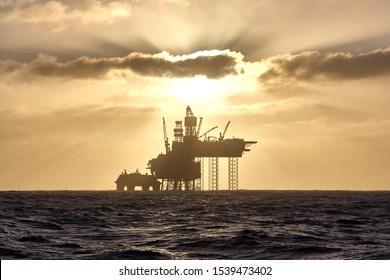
x: 197, y: 89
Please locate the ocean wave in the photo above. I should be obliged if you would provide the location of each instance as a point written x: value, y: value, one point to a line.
x: 195, y: 225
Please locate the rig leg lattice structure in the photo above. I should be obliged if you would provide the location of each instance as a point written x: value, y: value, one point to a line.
x: 233, y: 173
x: 167, y: 185
x: 213, y: 173
x: 178, y: 185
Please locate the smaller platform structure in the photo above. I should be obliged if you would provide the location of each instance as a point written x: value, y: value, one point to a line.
x: 130, y: 181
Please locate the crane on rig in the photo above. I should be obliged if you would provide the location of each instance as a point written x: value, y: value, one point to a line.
x: 166, y: 141
x: 222, y: 135
x: 199, y: 126
x: 204, y: 134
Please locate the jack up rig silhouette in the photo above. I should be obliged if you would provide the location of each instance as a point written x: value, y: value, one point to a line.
x: 182, y: 166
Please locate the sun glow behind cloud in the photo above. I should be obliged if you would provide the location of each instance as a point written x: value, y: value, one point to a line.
x: 195, y: 89
x: 202, y: 90
x: 198, y: 89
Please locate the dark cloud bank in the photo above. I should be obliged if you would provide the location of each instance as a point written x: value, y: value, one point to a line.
x: 313, y: 65
x: 282, y: 70
x: 214, y: 67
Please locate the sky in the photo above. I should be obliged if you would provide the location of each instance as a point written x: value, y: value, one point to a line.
x: 84, y: 86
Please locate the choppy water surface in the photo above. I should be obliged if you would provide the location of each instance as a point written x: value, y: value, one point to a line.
x: 195, y: 225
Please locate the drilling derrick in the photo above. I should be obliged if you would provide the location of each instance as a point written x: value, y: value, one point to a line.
x: 182, y: 167
x: 190, y: 122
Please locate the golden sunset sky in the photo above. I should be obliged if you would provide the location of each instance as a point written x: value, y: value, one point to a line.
x: 84, y: 86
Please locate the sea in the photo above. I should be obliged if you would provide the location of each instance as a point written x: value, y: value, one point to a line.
x: 265, y: 225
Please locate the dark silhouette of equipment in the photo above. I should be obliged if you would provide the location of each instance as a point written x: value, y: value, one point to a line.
x: 221, y: 136
x: 132, y: 180
x: 166, y: 141
x: 204, y: 134
x: 182, y: 165
x: 199, y: 126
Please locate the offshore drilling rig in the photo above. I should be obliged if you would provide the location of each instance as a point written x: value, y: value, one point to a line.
x: 182, y: 165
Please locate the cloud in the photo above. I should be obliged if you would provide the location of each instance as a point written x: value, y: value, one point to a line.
x: 57, y: 13
x: 265, y: 29
x: 212, y: 64
x: 286, y: 70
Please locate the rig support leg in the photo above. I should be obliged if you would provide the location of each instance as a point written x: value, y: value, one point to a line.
x: 233, y: 173
x: 213, y: 173
x: 168, y: 185
x: 164, y: 185
x: 199, y: 183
